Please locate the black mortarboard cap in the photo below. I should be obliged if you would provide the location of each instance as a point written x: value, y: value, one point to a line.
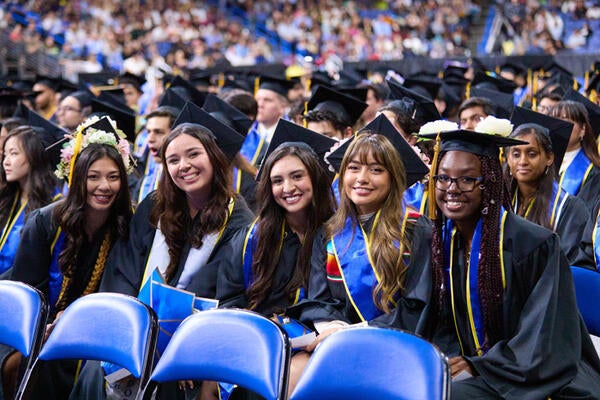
x: 415, y: 168
x: 194, y: 95
x: 124, y: 116
x: 513, y: 66
x: 66, y: 87
x: 130, y: 79
x: 227, y: 114
x: 482, y: 144
x: 487, y: 81
x: 552, y: 68
x: 347, y: 108
x: 455, y: 69
x: 278, y: 85
x: 10, y: 94
x: 51, y: 135
x: 594, y: 83
x: 321, y: 78
x: 52, y: 83
x: 21, y: 111
x: 171, y: 98
x: 503, y: 102
x: 228, y: 140
x: 563, y: 81
x: 200, y: 77
x: 115, y: 98
x: 106, y: 78
x: 239, y: 81
x: 426, y: 86
x: 289, y: 132
x: 558, y: 130
x: 417, y: 107
x: 592, y: 108
x: 359, y: 93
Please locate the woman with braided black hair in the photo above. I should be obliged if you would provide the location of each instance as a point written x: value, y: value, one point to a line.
x: 502, y: 286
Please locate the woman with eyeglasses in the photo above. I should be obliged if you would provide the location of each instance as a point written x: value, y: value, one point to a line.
x: 73, y: 110
x: 535, y: 193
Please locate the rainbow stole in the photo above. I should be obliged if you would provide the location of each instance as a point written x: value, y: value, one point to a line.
x: 250, y: 149
x: 574, y: 177
x: 11, y: 234
x: 555, y: 208
x: 596, y: 241
x: 250, y: 244
x: 349, y: 261
x: 473, y: 301
x: 56, y: 277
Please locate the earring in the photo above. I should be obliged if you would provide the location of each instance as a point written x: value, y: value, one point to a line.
x: 547, y: 169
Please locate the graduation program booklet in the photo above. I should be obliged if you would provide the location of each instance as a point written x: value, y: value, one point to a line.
x: 300, y: 335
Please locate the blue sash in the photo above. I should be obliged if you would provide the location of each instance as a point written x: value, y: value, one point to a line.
x: 335, y: 185
x: 141, y: 143
x: 151, y: 178
x: 250, y: 149
x: 574, y: 177
x: 11, y: 234
x: 415, y: 197
x: 473, y: 301
x: 596, y: 241
x: 248, y: 258
x: 56, y: 277
x: 351, y: 248
x: 555, y: 207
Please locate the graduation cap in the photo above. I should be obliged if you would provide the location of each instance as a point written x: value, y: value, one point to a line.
x: 237, y: 81
x: 563, y: 81
x: 200, y: 77
x: 558, y: 130
x: 426, y: 86
x: 228, y: 140
x: 123, y: 115
x: 455, y: 69
x: 513, y: 67
x: 49, y: 82
x: 415, y: 168
x: 105, y: 78
x: 347, y: 108
x: 171, y: 98
x: 481, y: 144
x: 227, y: 114
x: 359, y: 93
x: 278, y: 85
x: 130, y: 79
x: 487, y: 81
x: 289, y: 132
x: 65, y: 87
x: 594, y: 84
x: 321, y: 78
x: 417, y: 107
x: 192, y: 94
x: 51, y: 135
x: 503, y: 102
x: 552, y: 68
x: 592, y: 109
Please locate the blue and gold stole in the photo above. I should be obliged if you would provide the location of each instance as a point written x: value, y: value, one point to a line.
x: 11, y: 233
x: 574, y: 177
x: 55, y: 275
x: 474, y: 309
x: 349, y: 261
x: 250, y: 149
x: 250, y: 244
x: 555, y: 208
x: 596, y: 240
x: 415, y: 197
x: 152, y: 175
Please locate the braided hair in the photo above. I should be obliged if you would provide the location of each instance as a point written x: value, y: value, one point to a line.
x: 490, y: 286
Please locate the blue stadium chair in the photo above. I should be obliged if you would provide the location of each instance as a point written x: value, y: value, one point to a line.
x: 587, y: 291
x: 233, y: 346
x: 107, y: 327
x: 23, y: 316
x: 374, y: 363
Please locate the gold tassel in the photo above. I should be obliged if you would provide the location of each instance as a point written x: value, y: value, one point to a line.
x: 76, y: 150
x: 308, y: 87
x: 468, y: 90
x: 256, y: 84
x: 304, y: 122
x: 221, y: 80
x: 431, y: 210
x: 586, y: 79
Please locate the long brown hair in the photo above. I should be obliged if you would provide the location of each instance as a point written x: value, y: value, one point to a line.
x: 171, y: 208
x: 271, y: 216
x: 388, y: 262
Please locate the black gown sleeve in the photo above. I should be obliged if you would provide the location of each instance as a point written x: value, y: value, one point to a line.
x: 585, y: 255
x: 231, y: 290
x: 571, y: 225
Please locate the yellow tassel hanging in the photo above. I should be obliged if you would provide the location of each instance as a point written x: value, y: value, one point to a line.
x: 256, y: 84
x: 431, y: 210
x: 468, y: 90
x: 76, y: 150
x: 221, y: 80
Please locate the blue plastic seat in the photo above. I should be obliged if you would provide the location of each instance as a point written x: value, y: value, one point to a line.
x: 107, y: 327
x: 374, y: 363
x: 587, y: 291
x: 23, y: 316
x: 234, y: 346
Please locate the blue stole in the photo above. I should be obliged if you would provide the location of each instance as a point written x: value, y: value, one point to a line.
x: 555, y: 207
x: 56, y: 277
x: 474, y: 308
x: 596, y: 241
x: 351, y: 248
x: 248, y: 258
x: 415, y: 197
x: 11, y: 233
x: 335, y: 185
x: 574, y: 177
x: 151, y: 177
x: 141, y: 143
x: 250, y: 149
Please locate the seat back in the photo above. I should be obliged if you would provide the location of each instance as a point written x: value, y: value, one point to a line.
x: 23, y: 317
x: 233, y: 346
x: 374, y: 363
x: 107, y: 327
x: 587, y: 291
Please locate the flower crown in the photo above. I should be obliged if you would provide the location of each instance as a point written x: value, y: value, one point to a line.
x: 89, y: 132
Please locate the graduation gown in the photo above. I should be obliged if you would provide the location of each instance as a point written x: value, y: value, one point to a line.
x: 590, y: 192
x: 328, y: 299
x: 32, y: 266
x: 231, y: 287
x: 544, y: 349
x: 588, y: 255
x: 10, y: 235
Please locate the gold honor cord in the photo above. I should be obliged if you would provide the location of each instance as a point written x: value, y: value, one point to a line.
x: 12, y: 219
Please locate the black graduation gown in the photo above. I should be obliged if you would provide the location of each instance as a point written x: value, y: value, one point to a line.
x: 585, y: 256
x: 327, y: 300
x: 590, y: 192
x: 570, y: 226
x: 231, y: 290
x: 545, y: 349
x: 32, y: 263
x: 248, y: 190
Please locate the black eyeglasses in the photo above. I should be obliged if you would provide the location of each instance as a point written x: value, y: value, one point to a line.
x: 463, y: 183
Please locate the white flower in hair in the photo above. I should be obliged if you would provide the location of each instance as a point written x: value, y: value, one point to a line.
x: 438, y: 126
x: 494, y: 126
